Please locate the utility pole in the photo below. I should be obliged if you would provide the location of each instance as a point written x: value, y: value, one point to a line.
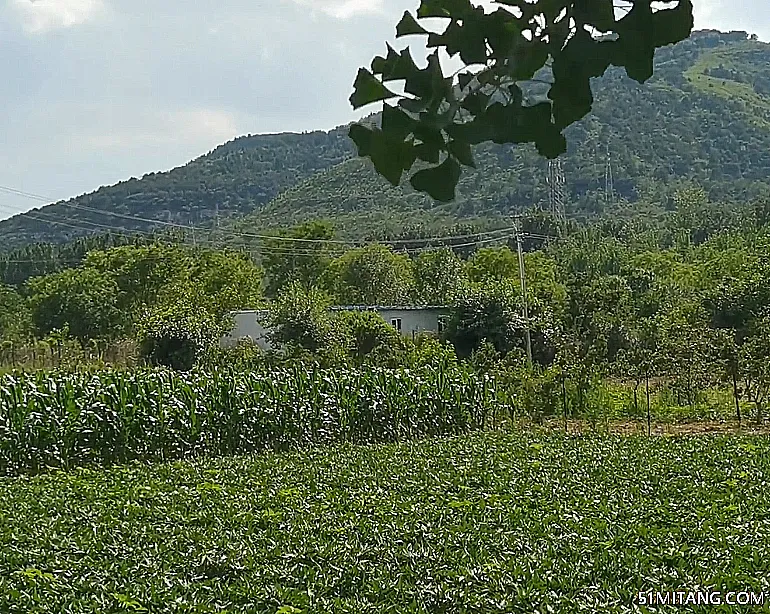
x: 523, y: 280
x: 609, y: 183
x: 557, y: 192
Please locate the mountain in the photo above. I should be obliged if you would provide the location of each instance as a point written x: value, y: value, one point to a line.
x: 233, y: 179
x: 703, y: 118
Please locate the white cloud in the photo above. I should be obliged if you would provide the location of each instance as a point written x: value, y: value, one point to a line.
x: 344, y: 9
x: 189, y: 128
x: 44, y: 15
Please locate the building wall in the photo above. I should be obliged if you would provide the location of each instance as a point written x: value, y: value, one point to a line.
x: 248, y: 324
x: 413, y: 321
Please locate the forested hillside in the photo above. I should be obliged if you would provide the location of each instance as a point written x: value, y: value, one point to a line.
x: 237, y: 177
x: 704, y: 118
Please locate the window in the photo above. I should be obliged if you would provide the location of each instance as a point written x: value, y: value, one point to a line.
x: 396, y: 323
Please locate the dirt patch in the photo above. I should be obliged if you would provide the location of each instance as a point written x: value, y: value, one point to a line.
x: 630, y: 427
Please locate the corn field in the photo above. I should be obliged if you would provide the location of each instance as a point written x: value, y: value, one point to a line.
x: 65, y: 420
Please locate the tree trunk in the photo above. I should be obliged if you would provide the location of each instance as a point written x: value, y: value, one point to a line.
x: 564, y: 401
x: 649, y: 413
x: 736, y: 397
x: 636, y: 397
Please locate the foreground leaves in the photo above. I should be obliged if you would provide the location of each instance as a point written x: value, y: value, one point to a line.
x: 505, y: 56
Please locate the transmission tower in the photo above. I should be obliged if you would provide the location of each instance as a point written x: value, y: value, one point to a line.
x: 557, y: 192
x: 609, y: 184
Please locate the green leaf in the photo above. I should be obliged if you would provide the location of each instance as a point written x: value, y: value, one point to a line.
x: 464, y: 78
x: 429, y: 134
x: 635, y: 43
x: 475, y: 103
x: 390, y: 155
x: 413, y: 105
x: 673, y: 25
x: 396, y: 66
x: 551, y: 144
x: 428, y: 153
x: 439, y: 182
x: 458, y: 9
x: 408, y: 25
x: 528, y: 58
x: 468, y: 39
x: 395, y: 122
x: 462, y: 151
x: 502, y: 30
x: 368, y: 89
x: 599, y: 13
x: 429, y: 83
x: 362, y: 137
x: 472, y: 132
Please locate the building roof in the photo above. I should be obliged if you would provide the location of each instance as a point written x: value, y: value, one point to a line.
x: 389, y: 308
x: 264, y: 312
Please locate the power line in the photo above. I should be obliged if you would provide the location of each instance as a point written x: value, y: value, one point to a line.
x: 233, y: 233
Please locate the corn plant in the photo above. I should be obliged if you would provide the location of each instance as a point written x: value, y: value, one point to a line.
x: 64, y: 420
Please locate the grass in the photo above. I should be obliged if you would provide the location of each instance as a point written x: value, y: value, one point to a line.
x: 482, y: 523
x: 757, y: 107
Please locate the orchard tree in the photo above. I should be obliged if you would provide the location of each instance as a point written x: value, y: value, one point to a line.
x: 302, y: 259
x: 141, y: 271
x: 225, y: 280
x: 371, y: 275
x: 364, y: 332
x: 489, y: 314
x: 15, y: 315
x: 505, y: 56
x: 437, y: 276
x: 299, y: 318
x: 83, y: 300
x: 493, y: 263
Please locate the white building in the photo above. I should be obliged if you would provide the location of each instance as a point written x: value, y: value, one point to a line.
x: 248, y: 325
x: 408, y: 320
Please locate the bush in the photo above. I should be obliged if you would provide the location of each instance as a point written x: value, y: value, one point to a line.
x: 178, y: 337
x: 364, y: 332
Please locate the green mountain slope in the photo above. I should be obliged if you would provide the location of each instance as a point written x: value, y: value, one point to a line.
x: 684, y: 125
x: 235, y: 177
x: 704, y: 117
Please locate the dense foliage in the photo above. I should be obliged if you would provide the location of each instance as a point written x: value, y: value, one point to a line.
x: 480, y: 524
x: 561, y: 43
x: 230, y: 180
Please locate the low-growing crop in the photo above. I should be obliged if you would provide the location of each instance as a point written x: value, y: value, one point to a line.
x: 487, y: 523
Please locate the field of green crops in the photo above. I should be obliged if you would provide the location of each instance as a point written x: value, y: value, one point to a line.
x: 66, y: 420
x: 484, y: 523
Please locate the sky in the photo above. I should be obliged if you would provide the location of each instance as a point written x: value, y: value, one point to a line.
x: 98, y: 91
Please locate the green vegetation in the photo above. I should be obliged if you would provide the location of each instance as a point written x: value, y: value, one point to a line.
x: 475, y: 524
x: 64, y: 421
x: 350, y: 468
x: 233, y: 179
x: 507, y: 58
x: 679, y: 308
